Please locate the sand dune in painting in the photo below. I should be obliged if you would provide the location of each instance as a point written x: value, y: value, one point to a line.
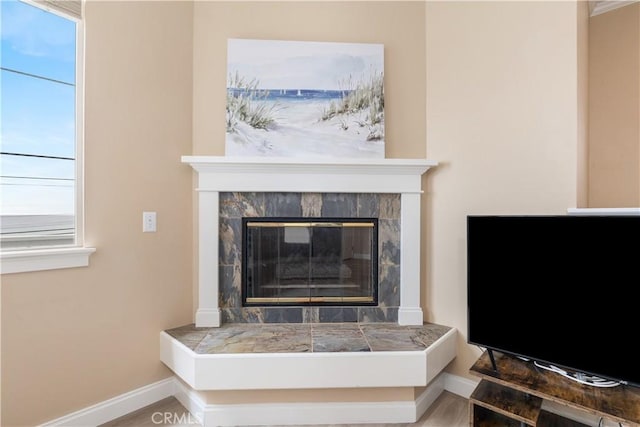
x: 298, y: 130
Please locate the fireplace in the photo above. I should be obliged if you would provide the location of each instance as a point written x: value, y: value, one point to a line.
x: 309, y: 261
x: 395, y: 183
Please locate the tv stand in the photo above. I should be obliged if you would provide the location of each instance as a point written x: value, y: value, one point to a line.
x: 511, y: 392
x: 493, y: 360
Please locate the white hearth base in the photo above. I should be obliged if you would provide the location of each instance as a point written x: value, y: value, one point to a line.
x: 269, y: 371
x: 308, y: 413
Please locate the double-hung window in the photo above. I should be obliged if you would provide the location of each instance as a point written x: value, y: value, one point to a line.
x: 41, y: 135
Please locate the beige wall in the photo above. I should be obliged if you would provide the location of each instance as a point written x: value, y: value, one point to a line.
x: 397, y: 25
x: 583, y: 105
x: 614, y: 102
x: 72, y: 338
x: 502, y: 120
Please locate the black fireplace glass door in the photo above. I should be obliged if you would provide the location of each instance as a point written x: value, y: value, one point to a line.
x: 309, y: 261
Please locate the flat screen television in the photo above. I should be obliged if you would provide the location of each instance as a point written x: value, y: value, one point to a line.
x: 559, y: 290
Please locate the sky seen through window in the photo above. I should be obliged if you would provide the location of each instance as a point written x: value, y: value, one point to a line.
x: 37, y: 83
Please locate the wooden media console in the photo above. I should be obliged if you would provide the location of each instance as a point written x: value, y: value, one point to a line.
x: 513, y: 396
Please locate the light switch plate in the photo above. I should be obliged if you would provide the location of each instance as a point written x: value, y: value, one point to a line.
x: 149, y: 222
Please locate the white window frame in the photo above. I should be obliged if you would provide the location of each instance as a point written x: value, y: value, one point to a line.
x: 76, y: 255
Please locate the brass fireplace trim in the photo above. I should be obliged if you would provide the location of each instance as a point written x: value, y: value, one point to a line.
x: 294, y: 300
x: 266, y: 224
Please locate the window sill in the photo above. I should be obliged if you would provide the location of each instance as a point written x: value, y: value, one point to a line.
x: 44, y: 259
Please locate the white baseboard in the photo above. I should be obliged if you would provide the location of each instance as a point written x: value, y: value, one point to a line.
x: 190, y: 399
x: 429, y: 395
x: 118, y: 406
x: 459, y: 385
x: 210, y: 415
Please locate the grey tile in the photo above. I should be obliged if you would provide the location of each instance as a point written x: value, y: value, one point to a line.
x: 377, y: 314
x: 337, y: 314
x: 311, y: 204
x: 393, y: 337
x: 338, y: 338
x: 310, y: 315
x: 238, y: 205
x: 339, y: 205
x: 390, y: 206
x: 188, y: 335
x: 283, y: 314
x: 243, y: 315
x: 430, y: 333
x: 368, y: 205
x: 283, y: 205
x: 281, y: 338
x: 237, y: 338
x: 318, y: 337
x: 230, y: 283
x: 230, y: 232
x: 389, y: 285
x: 389, y: 241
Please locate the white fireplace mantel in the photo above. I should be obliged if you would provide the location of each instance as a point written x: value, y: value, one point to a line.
x: 268, y: 174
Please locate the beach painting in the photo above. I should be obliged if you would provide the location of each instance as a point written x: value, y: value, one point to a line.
x: 304, y: 99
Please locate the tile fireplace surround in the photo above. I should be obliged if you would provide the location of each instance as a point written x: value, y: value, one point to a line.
x: 308, y: 365
x: 218, y: 176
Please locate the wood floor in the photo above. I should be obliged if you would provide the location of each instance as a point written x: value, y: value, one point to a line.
x: 449, y: 410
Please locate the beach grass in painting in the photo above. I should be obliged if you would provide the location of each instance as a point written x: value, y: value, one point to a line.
x: 297, y: 99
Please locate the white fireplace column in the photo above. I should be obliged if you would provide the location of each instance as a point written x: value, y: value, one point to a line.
x: 208, y: 313
x: 229, y: 174
x: 410, y: 312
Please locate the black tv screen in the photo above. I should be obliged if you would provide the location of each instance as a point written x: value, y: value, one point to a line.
x: 560, y: 290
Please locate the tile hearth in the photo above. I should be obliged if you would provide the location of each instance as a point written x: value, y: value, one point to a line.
x: 307, y: 338
x: 237, y: 356
x: 310, y: 357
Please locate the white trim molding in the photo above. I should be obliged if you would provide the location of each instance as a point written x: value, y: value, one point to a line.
x: 600, y: 7
x: 274, y: 371
x: 462, y: 386
x: 229, y: 174
x: 44, y: 259
x: 604, y: 211
x: 58, y: 257
x: 299, y: 414
x: 118, y: 406
x: 303, y: 175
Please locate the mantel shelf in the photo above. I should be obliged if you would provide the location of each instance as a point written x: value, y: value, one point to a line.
x: 317, y: 163
x: 311, y: 175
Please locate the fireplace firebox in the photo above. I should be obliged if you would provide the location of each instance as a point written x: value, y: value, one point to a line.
x: 309, y: 261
